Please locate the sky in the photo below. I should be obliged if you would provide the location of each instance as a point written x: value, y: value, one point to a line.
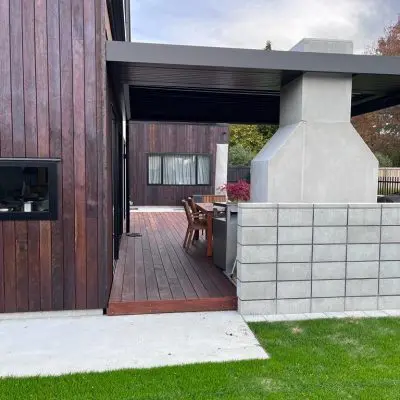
x: 250, y: 23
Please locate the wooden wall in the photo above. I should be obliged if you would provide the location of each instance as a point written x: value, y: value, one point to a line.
x: 52, y: 105
x: 168, y: 138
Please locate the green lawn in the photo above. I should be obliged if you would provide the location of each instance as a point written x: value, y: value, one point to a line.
x: 322, y: 359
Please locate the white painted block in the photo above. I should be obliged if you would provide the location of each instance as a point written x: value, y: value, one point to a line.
x: 257, y: 235
x: 389, y: 303
x: 293, y: 306
x: 363, y: 252
x: 295, y: 235
x: 256, y: 290
x: 256, y: 272
x: 363, y: 234
x: 294, y: 271
x: 390, y: 252
x: 365, y: 216
x: 363, y: 269
x: 256, y: 254
x: 330, y: 216
x: 257, y: 216
x: 390, y: 286
x: 390, y: 214
x: 294, y: 253
x: 331, y: 304
x: 329, y: 234
x: 294, y: 289
x: 295, y: 216
x: 329, y: 270
x: 361, y: 303
x: 329, y: 252
x: 257, y: 307
x: 328, y: 288
x: 390, y: 269
x: 390, y: 234
x: 362, y: 287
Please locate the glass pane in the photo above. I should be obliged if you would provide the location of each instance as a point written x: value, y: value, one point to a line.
x: 24, y: 189
x: 179, y: 170
x: 203, y: 170
x: 154, y: 170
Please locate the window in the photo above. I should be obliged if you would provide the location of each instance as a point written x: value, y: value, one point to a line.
x: 179, y: 169
x: 28, y: 189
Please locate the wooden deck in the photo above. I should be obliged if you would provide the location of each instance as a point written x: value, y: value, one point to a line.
x: 154, y: 274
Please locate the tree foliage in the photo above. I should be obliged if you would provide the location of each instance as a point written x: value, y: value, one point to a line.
x: 238, y: 155
x: 381, y: 129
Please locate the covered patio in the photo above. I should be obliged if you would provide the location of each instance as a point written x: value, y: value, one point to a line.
x: 154, y: 274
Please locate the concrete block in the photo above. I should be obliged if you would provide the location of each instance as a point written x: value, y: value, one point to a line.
x: 293, y: 306
x: 367, y: 215
x: 329, y: 270
x: 363, y: 252
x: 295, y: 235
x: 390, y: 252
x: 390, y: 269
x: 258, y: 216
x: 363, y: 269
x: 294, y: 271
x: 295, y: 216
x: 330, y: 216
x: 256, y: 272
x: 256, y: 290
x: 361, y: 303
x: 328, y: 288
x: 390, y: 234
x: 294, y: 253
x: 329, y: 252
x: 390, y: 286
x: 257, y: 307
x: 256, y: 254
x: 294, y: 289
x: 257, y: 235
x: 330, y: 234
x: 362, y: 287
x: 390, y: 214
x: 363, y: 234
x: 389, y: 303
x: 331, y: 304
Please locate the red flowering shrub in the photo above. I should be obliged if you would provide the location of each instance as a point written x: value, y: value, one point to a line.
x: 238, y: 191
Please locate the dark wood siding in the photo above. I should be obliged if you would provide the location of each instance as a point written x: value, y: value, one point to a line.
x: 53, y: 104
x: 149, y: 137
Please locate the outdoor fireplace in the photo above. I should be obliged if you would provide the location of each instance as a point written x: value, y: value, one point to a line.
x: 28, y: 189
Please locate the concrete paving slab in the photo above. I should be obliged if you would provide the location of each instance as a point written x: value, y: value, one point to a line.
x: 56, y: 346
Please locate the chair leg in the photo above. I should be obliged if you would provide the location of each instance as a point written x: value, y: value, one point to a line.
x: 186, y: 238
x: 190, y: 239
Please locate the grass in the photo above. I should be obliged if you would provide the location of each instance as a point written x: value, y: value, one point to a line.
x: 322, y: 359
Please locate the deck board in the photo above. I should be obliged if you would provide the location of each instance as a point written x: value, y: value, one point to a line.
x: 154, y: 274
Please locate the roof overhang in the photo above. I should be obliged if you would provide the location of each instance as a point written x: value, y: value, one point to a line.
x: 209, y: 84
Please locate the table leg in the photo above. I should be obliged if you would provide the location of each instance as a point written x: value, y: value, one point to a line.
x: 209, y: 235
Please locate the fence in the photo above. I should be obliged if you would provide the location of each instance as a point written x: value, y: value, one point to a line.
x: 237, y: 173
x: 389, y: 172
x: 388, y: 185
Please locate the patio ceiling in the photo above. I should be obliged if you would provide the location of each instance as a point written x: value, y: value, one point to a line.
x: 209, y: 84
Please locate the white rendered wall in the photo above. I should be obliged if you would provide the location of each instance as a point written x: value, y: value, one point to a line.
x: 221, y: 167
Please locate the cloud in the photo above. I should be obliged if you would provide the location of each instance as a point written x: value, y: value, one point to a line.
x: 248, y: 24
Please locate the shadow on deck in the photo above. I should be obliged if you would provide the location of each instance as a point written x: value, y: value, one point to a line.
x: 154, y: 274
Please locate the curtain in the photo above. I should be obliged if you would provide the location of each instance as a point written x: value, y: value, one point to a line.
x: 179, y: 170
x: 203, y: 170
x: 154, y: 170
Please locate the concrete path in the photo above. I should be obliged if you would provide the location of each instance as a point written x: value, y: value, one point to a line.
x: 65, y: 344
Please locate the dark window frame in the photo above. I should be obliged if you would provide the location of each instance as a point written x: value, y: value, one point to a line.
x: 52, y: 166
x: 162, y: 155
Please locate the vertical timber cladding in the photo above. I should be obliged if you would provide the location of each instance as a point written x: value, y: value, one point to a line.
x: 52, y: 101
x: 154, y: 137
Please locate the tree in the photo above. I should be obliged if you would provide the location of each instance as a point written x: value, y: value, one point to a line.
x: 381, y: 129
x: 238, y: 155
x: 268, y: 45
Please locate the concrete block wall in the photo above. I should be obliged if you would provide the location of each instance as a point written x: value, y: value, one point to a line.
x: 301, y: 258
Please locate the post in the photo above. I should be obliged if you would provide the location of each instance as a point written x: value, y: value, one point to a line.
x: 221, y: 167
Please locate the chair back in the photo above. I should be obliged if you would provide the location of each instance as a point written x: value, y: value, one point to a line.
x: 213, y: 198
x: 188, y: 212
x: 192, y: 204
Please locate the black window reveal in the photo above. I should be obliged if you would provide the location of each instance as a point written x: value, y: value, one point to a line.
x: 179, y: 169
x: 28, y: 189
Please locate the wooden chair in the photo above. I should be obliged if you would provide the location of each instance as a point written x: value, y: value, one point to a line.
x: 194, y: 225
x: 197, y: 215
x: 213, y: 198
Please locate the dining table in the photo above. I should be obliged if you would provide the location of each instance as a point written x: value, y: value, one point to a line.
x: 208, y: 210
